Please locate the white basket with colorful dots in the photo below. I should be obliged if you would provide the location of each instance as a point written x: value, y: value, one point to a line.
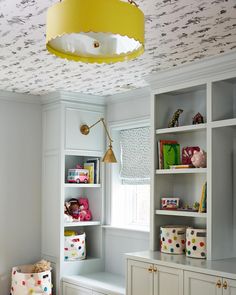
x: 196, y: 243
x: 75, y: 248
x: 24, y: 282
x: 173, y: 239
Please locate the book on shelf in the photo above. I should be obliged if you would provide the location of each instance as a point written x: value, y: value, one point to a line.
x: 160, y: 150
x: 96, y: 162
x: 203, y: 201
x: 171, y: 155
x: 90, y: 168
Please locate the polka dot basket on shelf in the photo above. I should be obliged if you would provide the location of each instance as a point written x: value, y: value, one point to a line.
x: 173, y: 239
x: 24, y: 282
x: 196, y: 243
x: 74, y: 247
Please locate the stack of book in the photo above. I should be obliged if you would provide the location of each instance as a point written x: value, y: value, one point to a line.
x: 169, y: 153
x: 93, y: 166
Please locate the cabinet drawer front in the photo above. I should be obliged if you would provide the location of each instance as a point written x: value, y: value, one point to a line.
x: 140, y: 279
x: 168, y: 281
x: 229, y: 287
x: 75, y: 140
x: 69, y: 289
x: 195, y: 284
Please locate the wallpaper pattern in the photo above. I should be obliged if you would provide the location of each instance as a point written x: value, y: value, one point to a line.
x: 177, y: 32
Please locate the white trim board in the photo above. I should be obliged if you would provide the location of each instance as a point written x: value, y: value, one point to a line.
x: 19, y: 97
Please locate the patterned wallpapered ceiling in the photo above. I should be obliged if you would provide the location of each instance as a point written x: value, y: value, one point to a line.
x: 177, y: 32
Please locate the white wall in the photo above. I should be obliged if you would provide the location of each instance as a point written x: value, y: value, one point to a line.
x: 134, y: 105
x: 20, y: 186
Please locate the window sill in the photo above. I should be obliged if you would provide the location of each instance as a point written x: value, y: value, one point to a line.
x: 130, y: 228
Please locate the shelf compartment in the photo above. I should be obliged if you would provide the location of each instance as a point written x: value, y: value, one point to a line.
x: 181, y: 213
x: 82, y: 185
x: 182, y: 171
x: 82, y: 223
x: 182, y: 129
x: 224, y: 100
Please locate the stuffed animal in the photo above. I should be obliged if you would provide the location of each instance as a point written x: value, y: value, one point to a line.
x: 199, y: 159
x: 41, y: 266
x: 78, y: 209
x: 84, y: 203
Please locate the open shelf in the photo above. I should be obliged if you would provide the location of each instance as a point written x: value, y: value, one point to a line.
x: 224, y: 123
x: 83, y: 185
x: 81, y: 223
x: 181, y: 129
x: 181, y: 171
x: 181, y: 213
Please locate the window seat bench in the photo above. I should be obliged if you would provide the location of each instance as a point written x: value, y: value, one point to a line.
x: 100, y: 283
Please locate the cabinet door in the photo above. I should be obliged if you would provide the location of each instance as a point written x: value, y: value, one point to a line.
x: 195, y: 284
x: 140, y: 279
x: 168, y: 281
x: 229, y: 287
x: 75, y: 140
x: 69, y: 289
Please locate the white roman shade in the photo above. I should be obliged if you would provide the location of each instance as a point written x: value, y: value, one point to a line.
x: 135, y: 155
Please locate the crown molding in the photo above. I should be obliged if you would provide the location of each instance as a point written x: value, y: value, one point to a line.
x: 212, y: 68
x: 128, y: 95
x: 19, y: 97
x: 64, y: 96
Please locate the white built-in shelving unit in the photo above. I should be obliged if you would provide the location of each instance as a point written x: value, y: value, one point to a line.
x: 63, y: 148
x: 210, y: 90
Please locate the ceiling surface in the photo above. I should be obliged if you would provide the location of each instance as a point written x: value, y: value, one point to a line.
x: 177, y: 32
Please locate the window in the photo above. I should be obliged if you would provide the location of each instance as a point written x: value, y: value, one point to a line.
x: 130, y: 182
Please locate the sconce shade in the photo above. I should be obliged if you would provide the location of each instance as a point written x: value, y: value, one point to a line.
x: 109, y: 156
x: 95, y: 31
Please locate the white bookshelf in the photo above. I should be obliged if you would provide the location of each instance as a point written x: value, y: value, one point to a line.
x: 216, y: 101
x: 82, y: 185
x: 82, y: 223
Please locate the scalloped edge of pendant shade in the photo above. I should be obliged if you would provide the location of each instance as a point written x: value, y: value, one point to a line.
x: 106, y: 16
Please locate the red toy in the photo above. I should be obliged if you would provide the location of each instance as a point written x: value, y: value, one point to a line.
x: 78, y: 209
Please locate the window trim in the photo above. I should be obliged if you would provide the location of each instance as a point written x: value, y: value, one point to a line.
x: 114, y: 126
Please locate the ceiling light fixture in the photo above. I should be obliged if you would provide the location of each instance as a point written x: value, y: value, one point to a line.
x: 109, y: 156
x: 95, y: 31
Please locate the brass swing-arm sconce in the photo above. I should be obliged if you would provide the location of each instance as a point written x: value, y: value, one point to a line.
x: 109, y: 156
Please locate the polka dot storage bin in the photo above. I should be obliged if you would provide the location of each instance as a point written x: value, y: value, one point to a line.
x: 24, y: 282
x: 173, y: 239
x: 74, y: 247
x: 196, y: 243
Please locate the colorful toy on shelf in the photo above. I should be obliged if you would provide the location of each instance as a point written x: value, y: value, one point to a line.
x: 198, y: 119
x: 78, y: 176
x: 199, y: 159
x: 187, y: 153
x: 174, y: 122
x: 78, y: 209
x: 169, y: 203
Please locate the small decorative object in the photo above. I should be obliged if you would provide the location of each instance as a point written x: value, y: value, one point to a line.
x: 198, y: 119
x: 187, y: 153
x: 174, y: 122
x: 171, y: 155
x: 203, y: 201
x: 74, y: 248
x: 32, y: 279
x: 78, y: 176
x: 173, y: 239
x: 196, y: 206
x: 199, y: 159
x: 196, y: 243
x: 169, y: 203
x: 160, y: 150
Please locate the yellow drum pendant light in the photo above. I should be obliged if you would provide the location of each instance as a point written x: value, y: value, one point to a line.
x: 95, y: 31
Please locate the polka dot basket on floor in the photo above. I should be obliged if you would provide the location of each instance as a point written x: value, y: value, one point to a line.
x: 196, y: 243
x: 173, y: 239
x: 25, y: 282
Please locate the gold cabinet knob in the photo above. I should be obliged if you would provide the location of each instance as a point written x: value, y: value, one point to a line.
x: 218, y: 284
x: 225, y: 285
x: 150, y: 269
x: 155, y: 269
